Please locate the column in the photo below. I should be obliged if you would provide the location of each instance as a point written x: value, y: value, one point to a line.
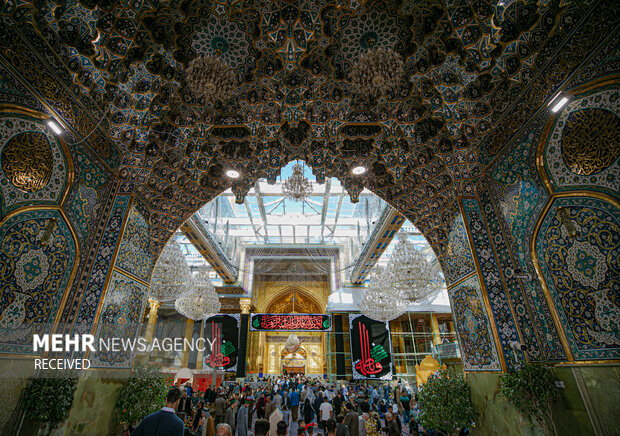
x: 435, y: 330
x: 338, y: 338
x: 398, y: 345
x: 200, y: 354
x: 245, y: 304
x: 189, y: 328
x: 150, y: 327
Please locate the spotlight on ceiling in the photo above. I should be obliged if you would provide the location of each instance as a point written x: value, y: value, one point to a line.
x: 557, y: 102
x: 54, y: 126
x: 233, y: 174
x: 358, y: 170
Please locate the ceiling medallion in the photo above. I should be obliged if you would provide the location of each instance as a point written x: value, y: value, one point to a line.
x: 297, y: 187
x: 201, y: 301
x: 377, y: 72
x: 211, y: 79
x: 171, y: 277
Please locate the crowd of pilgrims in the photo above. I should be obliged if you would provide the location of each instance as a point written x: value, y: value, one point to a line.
x: 296, y: 405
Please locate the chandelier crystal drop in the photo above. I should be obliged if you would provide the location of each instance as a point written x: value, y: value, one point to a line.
x: 201, y: 301
x: 171, y: 277
x: 379, y: 302
x: 377, y: 72
x: 297, y: 187
x: 211, y: 79
x: 411, y: 274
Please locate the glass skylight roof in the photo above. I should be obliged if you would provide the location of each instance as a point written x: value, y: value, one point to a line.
x: 267, y: 217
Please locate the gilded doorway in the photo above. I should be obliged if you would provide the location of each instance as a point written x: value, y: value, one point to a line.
x: 271, y: 354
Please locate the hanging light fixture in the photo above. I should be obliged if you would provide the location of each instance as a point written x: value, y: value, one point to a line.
x: 211, y: 79
x: 377, y: 72
x: 297, y: 187
x: 410, y: 273
x: 379, y: 303
x: 292, y: 343
x: 171, y: 277
x: 201, y: 301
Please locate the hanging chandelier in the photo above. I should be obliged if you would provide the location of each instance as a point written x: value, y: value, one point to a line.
x: 377, y: 72
x: 379, y: 303
x: 292, y: 343
x: 297, y: 187
x: 211, y: 79
x: 410, y: 273
x: 201, y: 301
x: 171, y: 276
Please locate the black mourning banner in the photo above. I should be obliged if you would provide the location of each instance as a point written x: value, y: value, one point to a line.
x: 221, y: 334
x: 371, y: 348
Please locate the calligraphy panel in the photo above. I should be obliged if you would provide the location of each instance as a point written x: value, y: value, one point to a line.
x: 290, y: 322
x: 221, y: 334
x: 371, y: 349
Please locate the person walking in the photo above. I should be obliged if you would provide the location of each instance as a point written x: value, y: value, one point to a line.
x: 230, y: 416
x: 164, y: 422
x: 351, y: 420
x: 392, y: 428
x: 326, y: 412
x: 294, y: 400
x: 242, y: 419
x: 220, y: 409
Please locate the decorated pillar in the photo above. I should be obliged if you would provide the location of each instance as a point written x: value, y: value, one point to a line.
x: 244, y: 304
x: 340, y: 370
x: 200, y: 355
x: 435, y: 329
x: 150, y: 327
x: 189, y: 328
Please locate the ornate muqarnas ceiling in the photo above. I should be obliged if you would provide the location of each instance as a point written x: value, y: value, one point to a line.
x: 465, y: 62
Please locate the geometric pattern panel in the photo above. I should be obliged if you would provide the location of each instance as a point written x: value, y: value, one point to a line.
x: 84, y: 201
x: 120, y: 318
x: 583, y: 148
x: 473, y: 327
x: 35, y: 270
x: 456, y: 260
x: 103, y: 261
x: 134, y: 256
x: 498, y: 296
x: 512, y: 204
x: 582, y: 270
x: 33, y: 166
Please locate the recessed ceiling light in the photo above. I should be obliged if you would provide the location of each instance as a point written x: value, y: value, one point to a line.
x: 233, y: 174
x: 358, y: 170
x: 558, y: 102
x: 54, y: 126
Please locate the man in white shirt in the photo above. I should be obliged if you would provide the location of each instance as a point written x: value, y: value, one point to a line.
x: 326, y: 410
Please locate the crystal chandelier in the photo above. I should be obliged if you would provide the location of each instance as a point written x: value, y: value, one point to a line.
x: 171, y: 276
x: 410, y: 273
x: 297, y: 187
x: 292, y: 343
x: 379, y: 303
x: 377, y: 72
x: 211, y: 79
x: 201, y: 301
